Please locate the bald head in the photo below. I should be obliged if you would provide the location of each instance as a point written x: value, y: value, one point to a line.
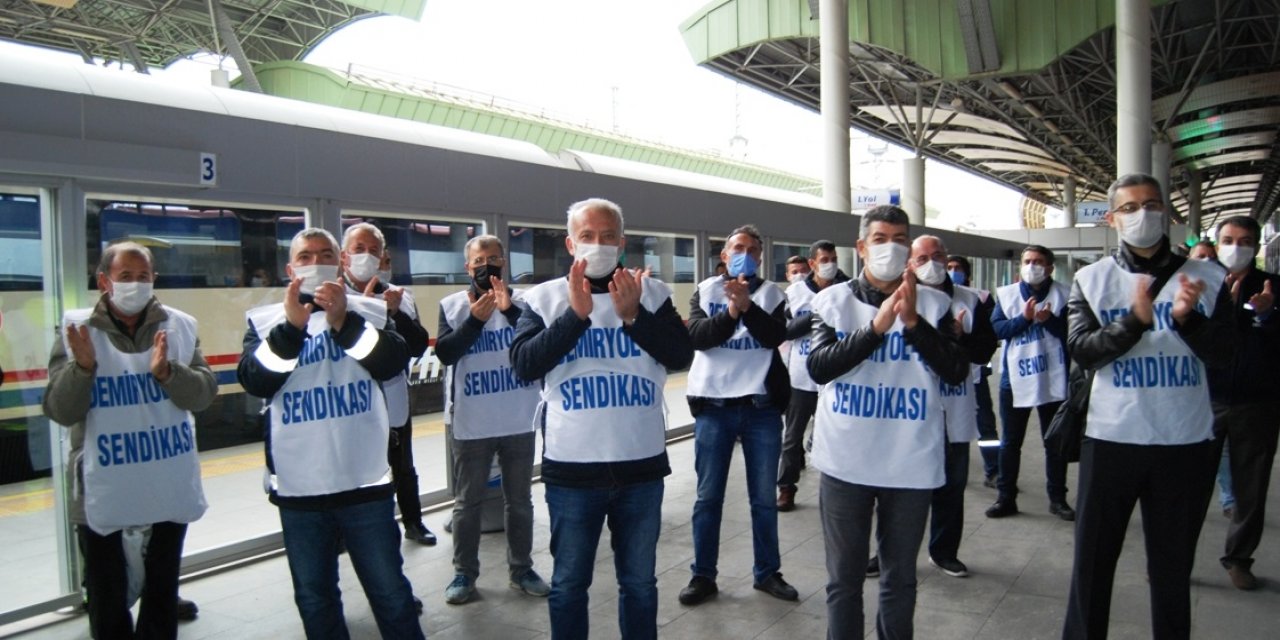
x: 926, y: 248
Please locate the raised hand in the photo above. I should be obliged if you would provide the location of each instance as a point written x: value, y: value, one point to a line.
x: 1263, y: 300
x: 1029, y: 309
x: 1188, y: 296
x: 294, y: 311
x: 160, y: 357
x: 1044, y: 311
x: 1142, y: 305
x: 580, y: 290
x: 482, y: 307
x: 959, y: 326
x: 81, y: 346
x: 332, y: 297
x: 393, y: 296
x: 739, y: 294
x: 625, y: 291
x: 501, y: 294
x: 906, y: 307
x: 885, y: 317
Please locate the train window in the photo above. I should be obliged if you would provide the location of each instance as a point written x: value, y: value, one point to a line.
x: 197, y: 246
x: 714, y: 247
x: 423, y: 251
x: 670, y: 258
x: 20, y: 266
x: 781, y: 253
x: 537, y: 254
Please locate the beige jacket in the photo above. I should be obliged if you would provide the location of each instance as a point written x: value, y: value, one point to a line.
x: 192, y: 385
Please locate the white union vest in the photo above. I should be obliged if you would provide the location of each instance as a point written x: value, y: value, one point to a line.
x: 1036, y: 360
x: 881, y: 423
x: 329, y: 428
x: 483, y: 396
x: 140, y: 460
x: 960, y: 401
x: 603, y: 402
x: 799, y: 299
x: 1157, y: 392
x: 737, y: 367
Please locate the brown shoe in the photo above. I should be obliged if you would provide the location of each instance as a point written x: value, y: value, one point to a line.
x: 786, y: 498
x: 1242, y: 578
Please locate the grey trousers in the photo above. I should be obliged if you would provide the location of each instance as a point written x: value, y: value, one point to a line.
x: 472, y: 460
x: 846, y: 527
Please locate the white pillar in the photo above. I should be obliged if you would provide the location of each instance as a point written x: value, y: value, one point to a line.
x: 1133, y: 86
x: 833, y: 19
x: 913, y: 190
x: 1069, y: 201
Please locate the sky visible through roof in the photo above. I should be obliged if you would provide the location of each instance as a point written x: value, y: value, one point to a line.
x: 624, y: 64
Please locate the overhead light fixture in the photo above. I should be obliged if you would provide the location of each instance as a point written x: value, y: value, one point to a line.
x: 61, y: 4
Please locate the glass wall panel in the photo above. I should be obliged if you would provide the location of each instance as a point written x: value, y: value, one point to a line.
x: 28, y: 527
x: 781, y: 252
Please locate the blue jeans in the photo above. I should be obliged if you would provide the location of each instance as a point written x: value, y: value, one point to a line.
x: 634, y: 515
x: 716, y: 429
x: 373, y: 541
x: 1225, y: 495
x: 846, y: 530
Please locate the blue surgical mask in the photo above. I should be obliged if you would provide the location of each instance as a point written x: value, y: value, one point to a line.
x: 742, y: 264
x: 958, y: 277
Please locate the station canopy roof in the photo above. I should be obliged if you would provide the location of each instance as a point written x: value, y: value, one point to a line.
x: 1023, y: 91
x: 155, y: 33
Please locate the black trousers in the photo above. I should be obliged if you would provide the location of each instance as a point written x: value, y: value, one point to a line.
x: 403, y: 474
x: 801, y: 408
x: 106, y: 584
x: 1172, y: 485
x: 1251, y: 431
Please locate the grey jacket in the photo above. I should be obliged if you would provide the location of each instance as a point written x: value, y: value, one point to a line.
x: 191, y: 386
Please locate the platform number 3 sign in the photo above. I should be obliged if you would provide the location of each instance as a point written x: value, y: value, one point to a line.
x: 208, y: 169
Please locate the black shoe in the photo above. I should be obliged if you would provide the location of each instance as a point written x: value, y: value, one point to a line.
x: 419, y: 533
x: 775, y: 586
x: 873, y: 567
x: 1003, y: 507
x: 700, y: 588
x: 187, y: 610
x: 417, y: 605
x: 953, y: 567
x: 1063, y: 510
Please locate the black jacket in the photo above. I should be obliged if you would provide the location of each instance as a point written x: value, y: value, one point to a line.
x: 981, y: 343
x: 1250, y: 376
x: 768, y: 327
x: 537, y: 349
x: 830, y: 358
x: 1213, y: 340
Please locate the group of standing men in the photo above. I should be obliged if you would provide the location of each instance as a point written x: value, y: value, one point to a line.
x: 889, y: 363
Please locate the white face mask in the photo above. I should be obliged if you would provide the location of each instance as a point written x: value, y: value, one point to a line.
x: 130, y: 298
x: 314, y: 275
x: 887, y: 261
x: 1141, y: 229
x: 827, y: 270
x: 1032, y: 274
x: 601, y: 259
x: 932, y: 273
x: 1235, y: 257
x: 384, y: 277
x: 363, y: 266
x: 798, y: 277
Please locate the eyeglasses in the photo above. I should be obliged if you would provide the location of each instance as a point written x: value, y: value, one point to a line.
x: 1131, y: 207
x: 493, y: 261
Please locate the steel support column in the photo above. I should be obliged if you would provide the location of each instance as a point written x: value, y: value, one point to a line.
x: 913, y: 190
x: 1133, y: 86
x: 1069, y: 200
x: 834, y: 42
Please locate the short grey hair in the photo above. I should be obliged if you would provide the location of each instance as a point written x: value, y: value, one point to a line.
x: 481, y: 242
x: 885, y: 213
x: 941, y: 244
x: 1132, y: 180
x: 126, y: 247
x: 366, y: 227
x: 579, y: 208
x: 308, y: 234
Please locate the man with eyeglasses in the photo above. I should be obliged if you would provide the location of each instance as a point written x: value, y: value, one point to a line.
x: 1244, y: 405
x: 363, y: 249
x: 488, y: 412
x: 1147, y: 323
x: 1030, y: 316
x: 822, y: 272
